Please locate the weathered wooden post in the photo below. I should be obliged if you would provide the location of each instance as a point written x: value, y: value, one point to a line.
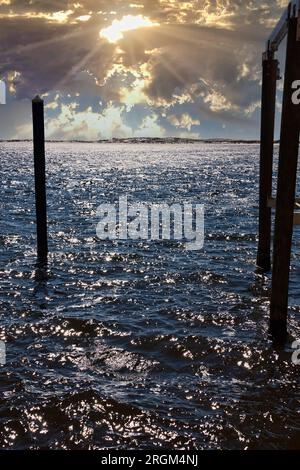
x: 287, y: 173
x: 40, y: 177
x: 268, y: 104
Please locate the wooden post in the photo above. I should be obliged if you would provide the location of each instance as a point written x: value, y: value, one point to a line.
x: 270, y: 71
x: 287, y: 173
x: 40, y: 177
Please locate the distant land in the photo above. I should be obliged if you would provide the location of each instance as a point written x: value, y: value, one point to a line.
x: 148, y: 140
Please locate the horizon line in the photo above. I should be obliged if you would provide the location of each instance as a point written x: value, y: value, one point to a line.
x: 145, y: 140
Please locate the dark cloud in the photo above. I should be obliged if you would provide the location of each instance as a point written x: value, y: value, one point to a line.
x: 203, y: 58
x: 48, y: 55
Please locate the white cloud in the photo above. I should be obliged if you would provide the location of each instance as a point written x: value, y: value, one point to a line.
x: 184, y: 121
x: 87, y: 124
x: 150, y: 128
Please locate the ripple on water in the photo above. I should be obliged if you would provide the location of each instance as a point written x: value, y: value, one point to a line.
x: 140, y: 345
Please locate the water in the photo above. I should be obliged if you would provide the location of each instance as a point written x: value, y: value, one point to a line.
x: 140, y: 344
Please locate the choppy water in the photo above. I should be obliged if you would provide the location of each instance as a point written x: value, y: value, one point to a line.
x: 140, y: 344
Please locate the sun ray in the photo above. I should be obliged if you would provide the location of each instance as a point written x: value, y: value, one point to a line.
x: 189, y: 34
x: 79, y: 66
x: 47, y: 42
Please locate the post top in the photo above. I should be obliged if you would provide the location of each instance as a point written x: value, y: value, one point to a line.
x: 281, y: 29
x: 37, y: 99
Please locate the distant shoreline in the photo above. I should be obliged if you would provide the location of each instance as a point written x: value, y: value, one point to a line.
x: 167, y: 140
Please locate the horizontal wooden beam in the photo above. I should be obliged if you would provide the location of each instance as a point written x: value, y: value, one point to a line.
x: 272, y: 205
x: 297, y: 218
x: 272, y: 202
x: 280, y: 31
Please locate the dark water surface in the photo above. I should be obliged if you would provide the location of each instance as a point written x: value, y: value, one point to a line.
x: 140, y: 344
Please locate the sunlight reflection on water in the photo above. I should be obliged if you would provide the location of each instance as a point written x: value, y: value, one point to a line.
x: 140, y: 344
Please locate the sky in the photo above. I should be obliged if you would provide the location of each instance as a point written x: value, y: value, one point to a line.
x: 149, y: 68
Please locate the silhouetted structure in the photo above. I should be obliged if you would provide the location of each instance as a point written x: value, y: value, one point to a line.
x: 40, y: 177
x: 289, y: 26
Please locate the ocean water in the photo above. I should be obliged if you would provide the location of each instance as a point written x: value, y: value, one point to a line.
x: 140, y: 344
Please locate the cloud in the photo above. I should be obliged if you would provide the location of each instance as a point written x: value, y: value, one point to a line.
x: 70, y: 124
x: 150, y: 128
x: 202, y: 61
x: 184, y: 121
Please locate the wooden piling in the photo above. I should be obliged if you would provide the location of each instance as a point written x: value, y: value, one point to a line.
x: 287, y: 173
x: 270, y: 71
x: 40, y: 177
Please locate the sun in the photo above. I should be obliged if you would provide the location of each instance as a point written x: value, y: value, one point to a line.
x: 114, y: 32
